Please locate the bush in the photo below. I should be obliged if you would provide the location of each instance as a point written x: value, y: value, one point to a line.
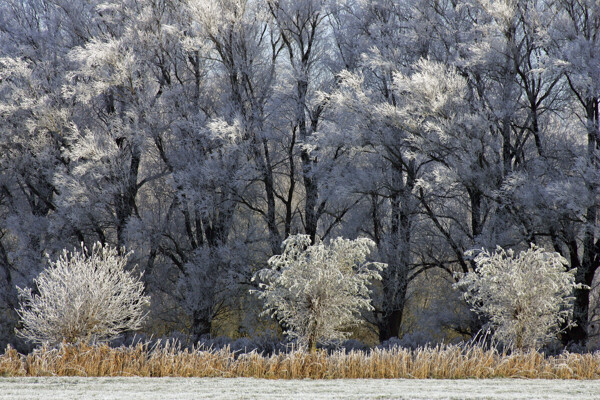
x: 318, y: 291
x: 83, y: 297
x: 527, y: 298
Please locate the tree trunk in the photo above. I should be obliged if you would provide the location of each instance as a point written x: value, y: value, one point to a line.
x: 475, y: 196
x: 591, y: 245
x: 395, y: 283
x: 308, y: 164
x: 8, y: 301
x: 312, y: 345
x: 389, y: 326
x: 126, y: 201
x: 200, y: 325
x: 268, y: 180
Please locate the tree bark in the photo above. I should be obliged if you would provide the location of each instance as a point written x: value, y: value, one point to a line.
x: 591, y: 245
x: 395, y: 283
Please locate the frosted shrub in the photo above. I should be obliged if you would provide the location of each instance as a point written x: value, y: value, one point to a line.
x: 317, y: 291
x: 527, y: 297
x: 83, y: 296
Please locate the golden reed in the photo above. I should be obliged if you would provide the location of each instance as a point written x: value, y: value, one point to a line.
x: 169, y: 359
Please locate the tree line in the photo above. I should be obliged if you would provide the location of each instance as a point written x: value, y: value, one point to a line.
x: 201, y: 134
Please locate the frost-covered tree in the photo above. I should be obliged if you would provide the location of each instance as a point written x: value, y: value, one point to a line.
x: 83, y: 296
x: 374, y: 159
x: 303, y: 29
x: 200, y: 133
x: 575, y: 33
x: 35, y: 37
x: 239, y: 37
x: 528, y: 297
x: 318, y: 291
x: 115, y: 84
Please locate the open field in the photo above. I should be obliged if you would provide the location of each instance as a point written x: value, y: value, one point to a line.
x: 168, y: 360
x: 67, y: 388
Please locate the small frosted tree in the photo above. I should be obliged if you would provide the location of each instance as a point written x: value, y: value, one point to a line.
x: 528, y: 297
x: 318, y: 291
x: 83, y: 296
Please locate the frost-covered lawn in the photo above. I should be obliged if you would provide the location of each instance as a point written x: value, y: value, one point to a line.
x: 248, y: 388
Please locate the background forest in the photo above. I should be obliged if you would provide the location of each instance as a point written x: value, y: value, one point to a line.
x: 200, y: 134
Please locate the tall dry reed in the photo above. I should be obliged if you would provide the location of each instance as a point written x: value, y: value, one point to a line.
x: 169, y: 359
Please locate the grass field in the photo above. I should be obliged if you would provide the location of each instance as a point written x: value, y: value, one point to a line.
x: 71, y: 388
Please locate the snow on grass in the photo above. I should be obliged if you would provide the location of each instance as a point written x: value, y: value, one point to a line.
x: 63, y: 388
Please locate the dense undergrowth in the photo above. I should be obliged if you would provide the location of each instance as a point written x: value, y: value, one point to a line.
x: 168, y: 359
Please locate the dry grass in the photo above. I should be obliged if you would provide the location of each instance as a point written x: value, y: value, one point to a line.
x: 441, y: 362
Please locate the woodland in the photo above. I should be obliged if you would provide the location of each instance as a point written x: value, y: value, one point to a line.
x: 196, y: 136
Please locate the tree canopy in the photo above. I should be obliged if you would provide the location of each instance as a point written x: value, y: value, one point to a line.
x: 202, y: 134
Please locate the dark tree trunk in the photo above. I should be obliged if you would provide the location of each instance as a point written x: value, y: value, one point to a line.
x: 8, y: 301
x: 126, y: 201
x: 200, y: 325
x: 396, y: 278
x: 268, y: 180
x: 390, y: 325
x: 590, y: 260
x: 309, y: 179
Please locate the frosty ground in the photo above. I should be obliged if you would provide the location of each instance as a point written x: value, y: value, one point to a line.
x: 62, y: 388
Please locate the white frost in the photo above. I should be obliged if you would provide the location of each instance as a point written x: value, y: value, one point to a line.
x: 248, y: 388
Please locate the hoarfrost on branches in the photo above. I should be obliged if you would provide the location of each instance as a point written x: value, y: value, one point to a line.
x: 85, y: 296
x: 318, y: 291
x: 527, y: 297
x: 201, y: 133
